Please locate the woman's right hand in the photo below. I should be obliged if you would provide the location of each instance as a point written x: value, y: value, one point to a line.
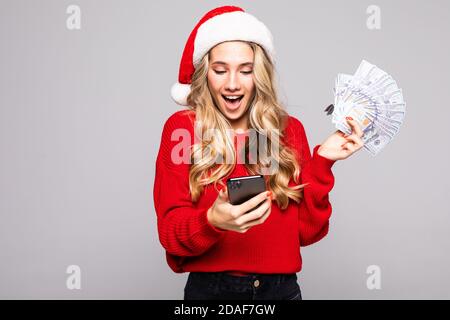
x: 240, y: 217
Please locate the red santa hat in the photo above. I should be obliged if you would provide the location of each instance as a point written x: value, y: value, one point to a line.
x: 218, y: 25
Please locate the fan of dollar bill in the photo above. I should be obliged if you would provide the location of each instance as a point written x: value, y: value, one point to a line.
x: 372, y: 98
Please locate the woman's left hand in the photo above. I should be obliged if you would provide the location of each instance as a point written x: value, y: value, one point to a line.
x: 339, y: 146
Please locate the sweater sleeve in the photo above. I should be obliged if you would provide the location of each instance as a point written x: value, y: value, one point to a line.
x: 183, y: 228
x: 315, y: 207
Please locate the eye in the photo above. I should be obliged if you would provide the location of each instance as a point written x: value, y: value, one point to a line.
x: 219, y: 72
x: 247, y: 72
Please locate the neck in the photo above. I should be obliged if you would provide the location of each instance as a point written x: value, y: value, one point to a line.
x: 240, y: 125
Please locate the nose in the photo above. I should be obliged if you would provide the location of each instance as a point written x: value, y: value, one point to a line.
x: 232, y: 83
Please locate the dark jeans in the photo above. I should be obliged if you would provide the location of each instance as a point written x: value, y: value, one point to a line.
x: 223, y: 286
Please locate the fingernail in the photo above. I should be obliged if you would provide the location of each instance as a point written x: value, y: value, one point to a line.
x: 349, y: 118
x: 269, y: 194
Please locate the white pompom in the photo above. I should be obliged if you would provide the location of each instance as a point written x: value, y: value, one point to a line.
x: 179, y: 93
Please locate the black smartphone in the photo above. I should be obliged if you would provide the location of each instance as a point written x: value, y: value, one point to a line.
x: 241, y: 189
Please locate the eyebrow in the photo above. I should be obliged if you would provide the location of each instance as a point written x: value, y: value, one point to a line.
x: 242, y: 64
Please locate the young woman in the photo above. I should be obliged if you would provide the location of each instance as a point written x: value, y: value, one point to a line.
x: 244, y: 251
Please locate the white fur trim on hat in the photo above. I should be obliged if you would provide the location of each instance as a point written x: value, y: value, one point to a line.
x: 236, y: 25
x: 179, y: 93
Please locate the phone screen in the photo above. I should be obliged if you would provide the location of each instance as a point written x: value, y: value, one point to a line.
x: 241, y: 189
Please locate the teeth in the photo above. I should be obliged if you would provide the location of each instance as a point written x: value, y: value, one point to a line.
x: 232, y: 97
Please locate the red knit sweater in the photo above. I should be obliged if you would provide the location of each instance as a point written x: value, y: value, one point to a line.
x: 193, y: 244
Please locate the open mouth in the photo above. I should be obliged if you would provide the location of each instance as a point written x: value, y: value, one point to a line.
x: 232, y: 102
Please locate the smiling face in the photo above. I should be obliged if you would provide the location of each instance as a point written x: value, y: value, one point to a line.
x: 230, y: 80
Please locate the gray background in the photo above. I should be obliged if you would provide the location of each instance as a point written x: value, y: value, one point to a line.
x: 81, y: 119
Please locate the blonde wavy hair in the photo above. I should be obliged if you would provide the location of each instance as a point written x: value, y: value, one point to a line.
x: 266, y: 114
